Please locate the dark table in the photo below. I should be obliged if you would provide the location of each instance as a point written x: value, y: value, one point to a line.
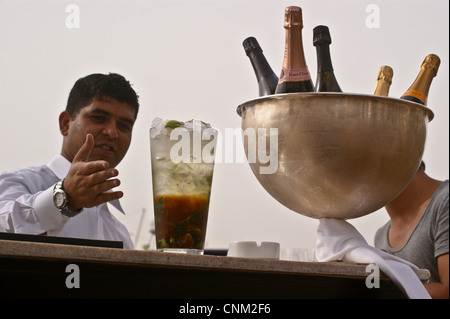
x: 48, y: 270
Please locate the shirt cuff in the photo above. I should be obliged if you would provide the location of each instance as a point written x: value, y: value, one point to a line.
x: 48, y: 215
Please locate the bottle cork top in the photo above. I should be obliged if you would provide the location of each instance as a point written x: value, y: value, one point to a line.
x: 321, y: 35
x: 432, y: 61
x: 250, y: 44
x: 293, y: 17
x: 385, y: 73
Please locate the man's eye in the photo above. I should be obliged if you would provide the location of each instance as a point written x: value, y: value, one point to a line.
x: 97, y: 118
x: 124, y: 126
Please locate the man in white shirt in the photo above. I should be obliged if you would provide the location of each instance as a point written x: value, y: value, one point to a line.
x: 68, y: 197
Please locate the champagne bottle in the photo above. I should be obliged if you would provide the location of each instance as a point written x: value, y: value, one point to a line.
x: 326, y: 79
x: 384, y: 80
x: 418, y: 91
x: 295, y: 75
x: 267, y: 79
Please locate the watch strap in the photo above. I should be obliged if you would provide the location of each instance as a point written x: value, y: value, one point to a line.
x: 67, y: 212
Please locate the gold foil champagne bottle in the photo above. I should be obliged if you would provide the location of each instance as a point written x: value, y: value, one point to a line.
x: 418, y: 91
x: 384, y: 81
x: 295, y: 76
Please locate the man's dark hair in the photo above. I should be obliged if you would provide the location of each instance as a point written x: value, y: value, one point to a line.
x: 101, y: 86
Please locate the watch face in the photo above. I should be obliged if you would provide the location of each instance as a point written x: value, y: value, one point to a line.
x: 58, y: 199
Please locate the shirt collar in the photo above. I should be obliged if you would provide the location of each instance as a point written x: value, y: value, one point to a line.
x: 61, y: 165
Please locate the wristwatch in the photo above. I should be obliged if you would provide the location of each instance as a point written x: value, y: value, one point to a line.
x: 61, y: 202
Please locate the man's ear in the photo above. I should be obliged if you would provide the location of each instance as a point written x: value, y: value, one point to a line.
x: 64, y: 122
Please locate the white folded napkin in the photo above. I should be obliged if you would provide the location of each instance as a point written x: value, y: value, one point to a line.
x: 339, y: 240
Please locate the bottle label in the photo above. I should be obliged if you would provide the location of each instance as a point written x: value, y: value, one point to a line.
x: 294, y: 75
x: 416, y: 94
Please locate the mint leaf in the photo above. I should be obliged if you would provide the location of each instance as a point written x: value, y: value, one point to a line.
x: 160, y: 206
x: 173, y: 124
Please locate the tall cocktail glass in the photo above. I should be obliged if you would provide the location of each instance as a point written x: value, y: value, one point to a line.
x: 182, y: 159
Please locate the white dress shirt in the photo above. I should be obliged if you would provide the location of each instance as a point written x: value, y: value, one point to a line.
x: 26, y: 206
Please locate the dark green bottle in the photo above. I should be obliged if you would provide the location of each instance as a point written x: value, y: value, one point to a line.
x: 267, y: 79
x: 295, y: 75
x: 326, y: 79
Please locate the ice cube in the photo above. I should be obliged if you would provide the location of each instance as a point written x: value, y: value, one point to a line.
x: 157, y: 127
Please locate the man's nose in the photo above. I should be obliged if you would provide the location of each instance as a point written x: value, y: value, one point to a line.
x: 111, y: 130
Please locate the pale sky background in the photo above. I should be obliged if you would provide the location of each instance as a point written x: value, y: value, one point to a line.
x: 185, y: 59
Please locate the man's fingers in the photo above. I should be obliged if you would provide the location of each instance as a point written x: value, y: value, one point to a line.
x: 106, y: 197
x: 95, y: 167
x: 93, y: 195
x: 108, y: 185
x: 100, y: 176
x: 85, y: 150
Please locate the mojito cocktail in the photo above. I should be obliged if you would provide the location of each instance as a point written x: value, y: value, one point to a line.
x: 182, y: 157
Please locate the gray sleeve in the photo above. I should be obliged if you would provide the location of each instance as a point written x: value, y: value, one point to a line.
x: 442, y: 229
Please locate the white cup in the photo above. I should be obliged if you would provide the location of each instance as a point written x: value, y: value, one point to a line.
x: 250, y: 249
x: 297, y: 254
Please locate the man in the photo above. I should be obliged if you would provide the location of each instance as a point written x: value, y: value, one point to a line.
x: 68, y: 196
x: 418, y: 229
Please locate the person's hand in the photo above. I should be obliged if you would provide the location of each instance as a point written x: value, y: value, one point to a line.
x: 87, y: 184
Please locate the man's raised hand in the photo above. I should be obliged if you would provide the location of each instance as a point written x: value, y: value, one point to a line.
x: 88, y: 184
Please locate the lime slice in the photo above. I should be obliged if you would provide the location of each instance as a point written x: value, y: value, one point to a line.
x: 174, y: 124
x: 204, y: 123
